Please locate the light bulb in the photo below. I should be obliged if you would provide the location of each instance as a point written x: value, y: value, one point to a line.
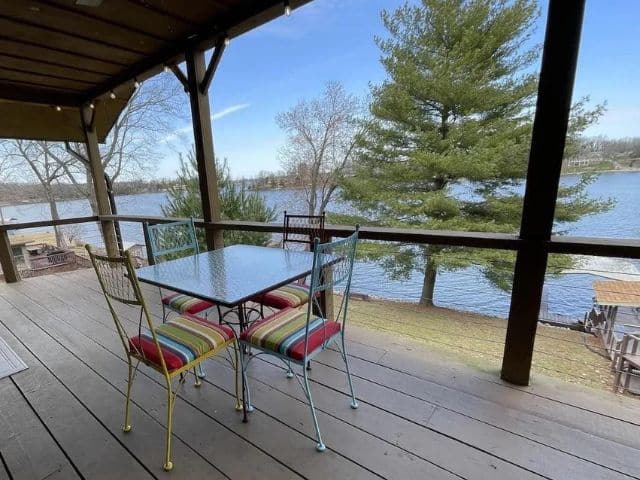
x: 287, y: 10
x: 136, y: 84
x: 58, y: 108
x: 166, y: 68
x: 92, y: 105
x: 227, y: 41
x: 112, y: 95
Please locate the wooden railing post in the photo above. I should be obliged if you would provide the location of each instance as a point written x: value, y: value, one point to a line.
x: 9, y: 269
x: 326, y: 296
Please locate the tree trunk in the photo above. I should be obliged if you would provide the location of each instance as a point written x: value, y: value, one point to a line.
x: 429, y: 282
x: 91, y: 195
x: 55, y: 215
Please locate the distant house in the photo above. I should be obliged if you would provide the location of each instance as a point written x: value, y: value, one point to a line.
x: 579, y: 162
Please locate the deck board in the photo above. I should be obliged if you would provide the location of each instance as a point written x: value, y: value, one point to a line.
x: 94, y: 452
x: 27, y: 448
x: 420, y: 416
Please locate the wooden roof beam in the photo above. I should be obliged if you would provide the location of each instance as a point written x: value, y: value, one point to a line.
x: 43, y: 96
x: 233, y: 23
x: 221, y: 44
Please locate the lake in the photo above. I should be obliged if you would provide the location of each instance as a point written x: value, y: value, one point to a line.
x: 466, y: 289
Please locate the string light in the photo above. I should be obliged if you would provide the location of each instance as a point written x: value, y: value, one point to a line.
x: 166, y: 68
x: 92, y: 105
x: 227, y: 41
x: 58, y: 108
x: 136, y: 84
x: 112, y: 95
x: 287, y: 8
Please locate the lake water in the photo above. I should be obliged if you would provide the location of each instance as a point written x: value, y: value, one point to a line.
x: 466, y: 289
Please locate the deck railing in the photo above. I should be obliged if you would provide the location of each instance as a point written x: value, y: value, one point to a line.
x: 607, y: 247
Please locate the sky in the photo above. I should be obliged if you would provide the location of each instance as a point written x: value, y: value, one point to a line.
x: 269, y: 69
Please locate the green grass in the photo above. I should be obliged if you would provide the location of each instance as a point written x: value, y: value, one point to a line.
x: 478, y: 340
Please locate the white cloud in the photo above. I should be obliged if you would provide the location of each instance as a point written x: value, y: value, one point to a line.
x: 179, y: 132
x: 229, y: 110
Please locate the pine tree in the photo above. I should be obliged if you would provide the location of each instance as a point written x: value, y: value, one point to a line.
x: 447, y: 143
x: 236, y: 202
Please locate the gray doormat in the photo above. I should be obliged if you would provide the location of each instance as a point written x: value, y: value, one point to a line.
x: 10, y: 362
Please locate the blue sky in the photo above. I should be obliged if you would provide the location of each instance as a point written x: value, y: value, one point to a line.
x: 269, y: 69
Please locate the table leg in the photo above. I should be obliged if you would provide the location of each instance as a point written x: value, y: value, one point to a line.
x: 243, y: 351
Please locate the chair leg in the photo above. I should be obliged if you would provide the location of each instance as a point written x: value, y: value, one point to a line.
x: 618, y: 374
x: 200, y: 373
x: 320, y: 446
x: 197, y: 383
x: 168, y: 464
x: 236, y: 364
x: 127, y: 426
x: 627, y: 379
x: 289, y: 370
x: 343, y: 352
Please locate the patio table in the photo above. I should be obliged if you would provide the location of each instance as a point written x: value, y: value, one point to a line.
x: 230, y: 276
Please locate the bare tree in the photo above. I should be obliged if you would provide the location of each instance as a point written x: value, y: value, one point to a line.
x: 132, y: 145
x: 6, y: 171
x: 321, y: 137
x: 129, y: 150
x: 43, y: 166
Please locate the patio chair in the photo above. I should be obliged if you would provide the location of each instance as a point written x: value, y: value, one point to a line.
x: 298, y: 230
x: 168, y: 241
x: 627, y: 361
x: 296, y: 335
x: 172, y: 348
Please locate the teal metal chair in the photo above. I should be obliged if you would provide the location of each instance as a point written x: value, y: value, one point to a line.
x: 168, y: 241
x: 297, y: 335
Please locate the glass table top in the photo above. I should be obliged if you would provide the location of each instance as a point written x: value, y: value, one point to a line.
x: 231, y: 275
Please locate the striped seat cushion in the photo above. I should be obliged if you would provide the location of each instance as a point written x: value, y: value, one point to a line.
x: 289, y: 296
x: 283, y: 332
x: 185, y: 304
x: 182, y: 340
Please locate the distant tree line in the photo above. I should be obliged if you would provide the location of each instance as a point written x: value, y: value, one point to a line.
x: 16, y: 192
x: 610, y: 148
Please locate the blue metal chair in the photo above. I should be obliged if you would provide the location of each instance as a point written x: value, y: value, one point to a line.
x: 297, y: 335
x: 168, y: 241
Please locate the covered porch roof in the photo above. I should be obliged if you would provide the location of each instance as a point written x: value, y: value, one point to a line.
x: 617, y: 293
x: 58, y: 55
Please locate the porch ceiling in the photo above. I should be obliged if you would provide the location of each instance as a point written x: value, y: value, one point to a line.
x: 67, y: 53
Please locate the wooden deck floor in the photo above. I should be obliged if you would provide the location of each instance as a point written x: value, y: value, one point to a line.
x: 420, y: 417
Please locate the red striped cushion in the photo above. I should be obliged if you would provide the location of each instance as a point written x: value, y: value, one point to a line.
x: 289, y: 296
x: 185, y: 304
x: 284, y: 331
x: 181, y: 340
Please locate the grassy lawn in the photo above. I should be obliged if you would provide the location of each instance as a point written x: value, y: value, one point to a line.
x: 478, y: 340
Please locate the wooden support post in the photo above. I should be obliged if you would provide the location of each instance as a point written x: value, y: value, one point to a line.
x: 326, y: 296
x: 99, y: 184
x: 9, y: 269
x: 203, y: 141
x: 559, y: 58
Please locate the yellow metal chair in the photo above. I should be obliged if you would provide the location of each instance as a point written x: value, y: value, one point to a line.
x: 172, y: 348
